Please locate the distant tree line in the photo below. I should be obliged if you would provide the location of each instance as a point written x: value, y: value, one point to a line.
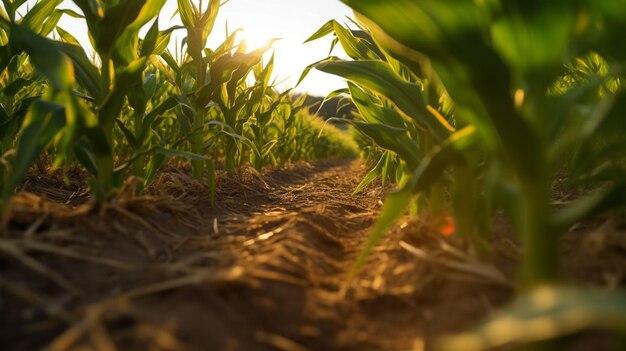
x: 335, y: 107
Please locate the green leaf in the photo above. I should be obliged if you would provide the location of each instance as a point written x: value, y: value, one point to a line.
x: 45, y: 56
x: 116, y: 20
x: 355, y: 47
x: 441, y: 157
x: 158, y: 111
x: 16, y: 86
x: 389, y: 138
x: 11, y: 125
x: 379, y: 77
x: 11, y: 7
x: 84, y: 158
x: 308, y: 68
x: 130, y: 137
x: 163, y: 40
x: 43, y: 122
x: 51, y: 23
x: 430, y: 27
x: 544, y: 313
x: 155, y: 41
x: 428, y: 173
x: 67, y: 37
x: 394, y: 207
x: 179, y: 153
x: 153, y: 166
x: 72, y: 13
x: 187, y: 15
x: 371, y: 108
x: 126, y: 43
x: 199, y: 25
x: 150, y: 86
x: 324, y: 30
x: 452, y: 35
x: 372, y: 174
x: 170, y: 61
x: 209, y: 17
x: 35, y: 18
x: 150, y: 40
x: 87, y: 75
x: 601, y: 200
x: 535, y: 38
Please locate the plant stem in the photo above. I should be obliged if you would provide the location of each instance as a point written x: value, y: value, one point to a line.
x: 540, y: 265
x: 196, y: 141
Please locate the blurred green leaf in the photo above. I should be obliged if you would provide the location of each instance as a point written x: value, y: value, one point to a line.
x: 17, y: 85
x: 179, y: 153
x: 87, y: 75
x: 441, y: 157
x: 44, y: 121
x: 544, y: 313
x: 45, y: 56
x: 534, y: 36
x: 611, y: 198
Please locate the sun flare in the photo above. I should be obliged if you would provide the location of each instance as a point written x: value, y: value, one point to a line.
x: 253, y: 40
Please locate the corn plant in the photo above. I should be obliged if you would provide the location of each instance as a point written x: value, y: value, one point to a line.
x: 42, y: 115
x: 198, y: 23
x: 498, y: 62
x: 404, y: 110
x: 114, y: 29
x: 214, y: 92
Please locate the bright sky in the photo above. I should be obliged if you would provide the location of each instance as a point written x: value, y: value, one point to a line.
x: 292, y: 20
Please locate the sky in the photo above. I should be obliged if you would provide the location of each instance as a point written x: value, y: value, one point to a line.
x: 291, y: 20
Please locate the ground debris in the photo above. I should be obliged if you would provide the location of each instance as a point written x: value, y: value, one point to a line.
x: 265, y: 269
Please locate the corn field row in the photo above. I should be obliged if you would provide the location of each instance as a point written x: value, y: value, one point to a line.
x: 136, y: 104
x: 470, y: 107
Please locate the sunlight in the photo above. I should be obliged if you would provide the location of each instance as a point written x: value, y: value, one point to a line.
x: 291, y: 21
x: 261, y: 21
x: 253, y: 41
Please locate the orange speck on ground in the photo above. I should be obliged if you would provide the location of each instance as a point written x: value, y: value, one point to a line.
x: 447, y: 225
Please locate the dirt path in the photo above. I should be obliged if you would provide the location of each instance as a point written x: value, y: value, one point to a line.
x: 294, y: 242
x: 261, y: 271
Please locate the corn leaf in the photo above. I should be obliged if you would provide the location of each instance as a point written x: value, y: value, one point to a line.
x: 394, y: 207
x: 372, y: 174
x: 45, y: 56
x: 380, y: 78
x: 544, y: 313
x: 441, y: 157
x: 323, y: 31
x: 389, y: 138
x: 44, y: 121
x: 87, y: 75
x: 36, y: 17
x: 452, y: 34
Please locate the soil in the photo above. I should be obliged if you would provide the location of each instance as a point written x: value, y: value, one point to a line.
x: 266, y: 268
